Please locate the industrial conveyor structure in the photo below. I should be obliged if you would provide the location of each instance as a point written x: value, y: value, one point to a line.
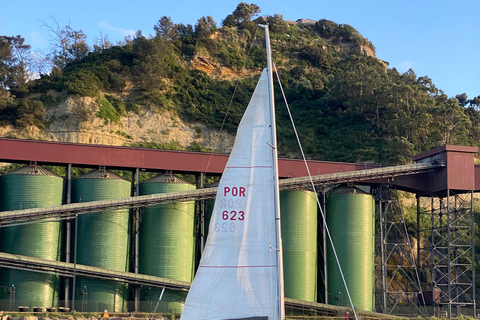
x: 69, y: 211
x: 70, y: 270
x: 433, y: 275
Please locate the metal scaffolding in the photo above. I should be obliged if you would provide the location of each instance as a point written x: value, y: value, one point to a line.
x: 446, y: 251
x: 397, y: 283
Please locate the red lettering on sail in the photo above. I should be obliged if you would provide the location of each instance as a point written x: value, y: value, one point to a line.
x: 233, y: 215
x: 234, y: 191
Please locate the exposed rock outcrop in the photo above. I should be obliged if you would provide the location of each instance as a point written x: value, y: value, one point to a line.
x: 74, y: 120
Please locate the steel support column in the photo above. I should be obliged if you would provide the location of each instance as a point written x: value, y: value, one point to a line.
x: 448, y: 253
x: 68, y: 230
x: 397, y: 289
x: 136, y: 192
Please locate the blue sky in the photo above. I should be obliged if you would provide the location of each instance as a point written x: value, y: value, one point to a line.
x: 436, y: 38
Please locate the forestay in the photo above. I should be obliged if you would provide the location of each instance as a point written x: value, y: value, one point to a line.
x: 238, y: 273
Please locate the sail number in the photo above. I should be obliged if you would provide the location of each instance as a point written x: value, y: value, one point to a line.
x: 224, y: 227
x: 233, y: 208
x: 233, y: 215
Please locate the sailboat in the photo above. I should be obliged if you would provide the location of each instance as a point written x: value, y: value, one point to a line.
x: 240, y: 275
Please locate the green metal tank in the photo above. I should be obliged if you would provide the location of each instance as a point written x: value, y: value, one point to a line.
x: 351, y: 221
x: 31, y: 187
x: 298, y: 211
x: 167, y: 240
x: 102, y: 241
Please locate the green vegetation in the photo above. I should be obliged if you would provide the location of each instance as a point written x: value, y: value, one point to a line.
x: 111, y: 109
x: 347, y: 104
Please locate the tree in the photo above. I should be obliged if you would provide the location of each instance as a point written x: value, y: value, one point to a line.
x: 67, y: 44
x: 165, y: 28
x: 205, y: 27
x: 327, y: 28
x: 153, y: 61
x: 245, y: 12
x: 188, y: 40
x: 277, y: 24
x: 102, y: 43
x: 5, y: 98
x: 229, y: 21
x: 462, y: 99
x: 30, y: 113
x: 184, y: 30
x: 6, y: 60
x: 475, y: 102
x: 451, y: 119
x: 79, y: 47
x: 14, y: 62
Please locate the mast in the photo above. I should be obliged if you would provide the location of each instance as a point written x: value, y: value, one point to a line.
x: 278, y: 246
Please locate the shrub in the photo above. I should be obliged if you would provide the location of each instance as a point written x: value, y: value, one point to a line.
x: 117, y: 103
x: 174, y: 145
x: 30, y: 113
x: 83, y: 83
x: 107, y: 111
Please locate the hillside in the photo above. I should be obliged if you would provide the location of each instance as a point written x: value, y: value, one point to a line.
x: 172, y: 90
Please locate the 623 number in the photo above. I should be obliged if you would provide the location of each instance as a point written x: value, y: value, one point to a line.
x: 233, y: 215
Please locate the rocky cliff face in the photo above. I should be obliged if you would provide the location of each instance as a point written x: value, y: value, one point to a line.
x: 74, y: 120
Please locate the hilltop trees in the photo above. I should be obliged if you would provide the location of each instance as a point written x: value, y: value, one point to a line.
x: 14, y: 62
x: 205, y: 27
x: 243, y: 13
x: 166, y: 28
x: 67, y: 44
x: 341, y: 32
x: 15, y: 72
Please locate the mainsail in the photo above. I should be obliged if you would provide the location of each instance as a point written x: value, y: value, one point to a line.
x: 241, y: 267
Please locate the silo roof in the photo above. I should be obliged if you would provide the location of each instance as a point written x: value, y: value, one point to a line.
x: 32, y: 170
x: 166, y: 178
x: 347, y: 190
x: 100, y: 174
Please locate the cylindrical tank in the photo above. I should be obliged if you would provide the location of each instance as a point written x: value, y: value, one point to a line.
x: 298, y: 210
x: 31, y: 187
x: 166, y: 242
x: 102, y: 241
x: 351, y: 222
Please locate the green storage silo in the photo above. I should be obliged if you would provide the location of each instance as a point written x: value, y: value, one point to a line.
x: 167, y: 242
x: 102, y: 241
x: 298, y: 209
x: 31, y: 187
x: 351, y: 222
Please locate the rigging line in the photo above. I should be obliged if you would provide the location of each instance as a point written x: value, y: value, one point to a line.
x: 315, y: 190
x: 231, y: 100
x: 151, y: 317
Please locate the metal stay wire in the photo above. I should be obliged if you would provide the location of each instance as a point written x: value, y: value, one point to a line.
x: 151, y: 316
x: 315, y: 190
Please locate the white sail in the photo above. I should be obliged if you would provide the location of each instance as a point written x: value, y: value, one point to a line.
x: 240, y: 267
